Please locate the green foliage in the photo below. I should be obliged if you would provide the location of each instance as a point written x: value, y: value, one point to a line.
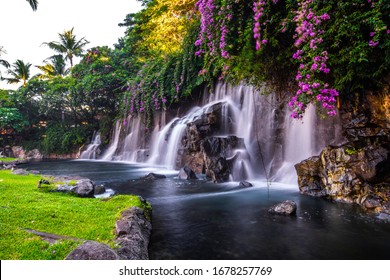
x: 356, y: 63
x: 23, y: 206
x: 99, y: 82
x: 10, y: 118
x: 61, y: 139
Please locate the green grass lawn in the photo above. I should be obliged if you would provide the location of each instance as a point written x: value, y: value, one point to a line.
x: 8, y: 159
x: 23, y: 205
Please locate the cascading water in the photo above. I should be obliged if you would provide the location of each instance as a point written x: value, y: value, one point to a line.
x: 273, y: 142
x: 109, y: 154
x: 91, y: 151
x: 167, y: 143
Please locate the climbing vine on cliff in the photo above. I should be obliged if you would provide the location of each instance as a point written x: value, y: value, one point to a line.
x: 317, y: 49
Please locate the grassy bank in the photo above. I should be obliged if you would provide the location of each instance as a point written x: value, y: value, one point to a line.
x: 8, y: 159
x: 23, y: 205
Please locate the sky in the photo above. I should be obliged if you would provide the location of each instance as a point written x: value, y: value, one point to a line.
x: 22, y: 31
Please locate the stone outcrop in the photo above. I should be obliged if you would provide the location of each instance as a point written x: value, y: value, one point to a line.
x: 357, y: 171
x: 187, y: 173
x: 81, y: 187
x: 287, y: 208
x: 91, y: 250
x: 218, y: 156
x: 6, y: 152
x: 205, y: 152
x: 133, y: 231
x: 348, y: 174
x: 19, y: 152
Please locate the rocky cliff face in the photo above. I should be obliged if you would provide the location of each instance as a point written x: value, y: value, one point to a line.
x: 359, y: 170
x: 205, y: 152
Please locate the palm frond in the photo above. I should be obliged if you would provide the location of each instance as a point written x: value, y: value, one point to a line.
x: 33, y: 4
x: 4, y: 63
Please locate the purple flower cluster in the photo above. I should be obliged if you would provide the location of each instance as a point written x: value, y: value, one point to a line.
x: 214, y: 28
x: 143, y: 96
x: 206, y: 9
x: 258, y: 9
x: 225, y: 16
x: 313, y: 63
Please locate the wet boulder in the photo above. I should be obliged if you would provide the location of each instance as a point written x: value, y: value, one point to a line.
x: 218, y: 156
x: 187, y: 173
x: 153, y: 176
x: 99, y: 189
x: 287, y: 207
x: 245, y: 184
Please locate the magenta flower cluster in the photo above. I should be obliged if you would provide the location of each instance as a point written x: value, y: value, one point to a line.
x: 143, y: 96
x: 224, y: 17
x: 258, y: 9
x: 214, y: 30
x: 313, y: 63
x: 206, y: 35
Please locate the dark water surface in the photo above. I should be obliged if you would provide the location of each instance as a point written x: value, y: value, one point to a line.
x: 202, y: 220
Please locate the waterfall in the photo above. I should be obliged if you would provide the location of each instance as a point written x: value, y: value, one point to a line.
x: 167, y: 143
x: 92, y: 149
x: 270, y: 143
x: 299, y: 143
x: 131, y: 146
x: 109, y: 154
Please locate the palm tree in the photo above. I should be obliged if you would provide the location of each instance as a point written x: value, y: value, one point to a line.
x: 68, y: 45
x: 55, y: 66
x: 2, y: 61
x: 20, y: 72
x: 33, y: 4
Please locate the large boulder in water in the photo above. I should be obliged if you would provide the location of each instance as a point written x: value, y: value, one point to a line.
x: 187, y: 173
x: 218, y: 156
x: 153, y: 176
x: 350, y: 173
x: 91, y: 250
x: 245, y: 184
x: 287, y: 207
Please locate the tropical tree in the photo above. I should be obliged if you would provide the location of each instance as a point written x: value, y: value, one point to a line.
x: 20, y: 72
x: 2, y: 61
x: 55, y: 66
x: 33, y: 4
x: 68, y: 45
